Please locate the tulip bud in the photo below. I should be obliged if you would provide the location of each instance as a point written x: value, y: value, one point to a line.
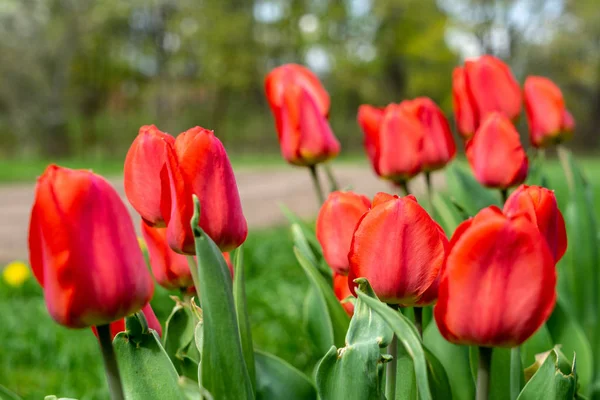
x: 499, y: 282
x: 438, y: 144
x: 464, y: 114
x: 335, y: 225
x: 492, y: 87
x: 395, y: 150
x: 170, y: 269
x: 548, y: 119
x: 540, y: 206
x: 200, y: 166
x: 300, y: 106
x: 496, y: 155
x: 342, y: 292
x: 145, y: 175
x: 83, y: 250
x: 399, y: 249
x: 119, y: 326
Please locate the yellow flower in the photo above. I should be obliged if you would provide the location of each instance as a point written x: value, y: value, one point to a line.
x: 16, y: 273
x: 142, y: 244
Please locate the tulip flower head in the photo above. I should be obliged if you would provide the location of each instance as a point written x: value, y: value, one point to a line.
x: 394, y: 140
x: 496, y: 155
x: 170, y: 269
x: 548, y: 119
x: 464, y: 113
x: 499, y: 282
x: 83, y: 250
x: 438, y: 144
x: 342, y: 292
x: 540, y: 206
x: 300, y: 106
x: 399, y: 248
x: 335, y: 226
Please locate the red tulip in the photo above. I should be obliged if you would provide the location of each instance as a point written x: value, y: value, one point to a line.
x: 548, y: 119
x: 83, y: 250
x: 119, y: 326
x: 335, y: 225
x: 369, y: 119
x: 200, y: 166
x: 464, y: 114
x: 395, y: 147
x: 145, y: 175
x: 300, y: 106
x: 499, y: 282
x: 342, y: 291
x: 170, y: 269
x: 496, y: 155
x: 491, y: 87
x: 540, y: 206
x: 438, y: 144
x: 399, y: 249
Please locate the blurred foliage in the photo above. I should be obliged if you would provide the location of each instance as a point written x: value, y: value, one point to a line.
x: 80, y: 76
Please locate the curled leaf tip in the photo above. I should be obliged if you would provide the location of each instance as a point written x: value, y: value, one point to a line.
x: 195, y: 222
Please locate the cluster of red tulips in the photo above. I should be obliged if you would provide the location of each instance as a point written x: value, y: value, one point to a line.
x: 492, y: 281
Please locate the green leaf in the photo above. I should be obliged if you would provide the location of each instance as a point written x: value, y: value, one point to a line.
x: 455, y: 360
x: 352, y: 372
x: 301, y: 242
x: 438, y: 378
x: 579, y: 268
x: 146, y: 370
x: 179, y: 334
x: 339, y: 318
x: 239, y: 296
x: 276, y: 379
x: 550, y: 382
x: 446, y: 213
x: 317, y: 320
x: 407, y: 336
x: 50, y: 397
x: 566, y: 332
x: 308, y: 232
x: 190, y: 389
x: 468, y: 192
x: 6, y: 393
x: 406, y: 385
x: 540, y: 342
x: 222, y: 356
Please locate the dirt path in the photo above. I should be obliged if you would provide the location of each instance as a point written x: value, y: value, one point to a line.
x: 261, y: 190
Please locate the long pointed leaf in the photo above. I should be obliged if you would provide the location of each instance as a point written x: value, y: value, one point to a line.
x: 276, y: 379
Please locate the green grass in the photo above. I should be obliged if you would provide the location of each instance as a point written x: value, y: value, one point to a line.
x: 39, y: 357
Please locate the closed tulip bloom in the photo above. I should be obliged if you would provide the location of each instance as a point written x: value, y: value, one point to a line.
x: 540, y: 206
x: 397, y: 246
x: 395, y: 149
x: 119, y: 326
x: 335, y: 225
x: 492, y: 88
x: 342, y: 291
x: 499, y: 282
x: 205, y: 171
x: 170, y: 269
x: 145, y: 175
x: 369, y: 119
x: 548, y: 119
x: 438, y: 145
x: 300, y: 106
x: 83, y: 250
x: 464, y: 114
x: 496, y: 155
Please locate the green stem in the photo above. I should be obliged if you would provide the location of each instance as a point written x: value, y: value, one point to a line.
x: 516, y: 372
x: 483, y: 373
x: 405, y: 188
x: 418, y: 311
x: 504, y: 195
x: 194, y: 270
x: 143, y: 321
x: 317, y: 184
x: 391, y: 369
x: 429, y: 190
x: 110, y: 363
x: 333, y: 184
